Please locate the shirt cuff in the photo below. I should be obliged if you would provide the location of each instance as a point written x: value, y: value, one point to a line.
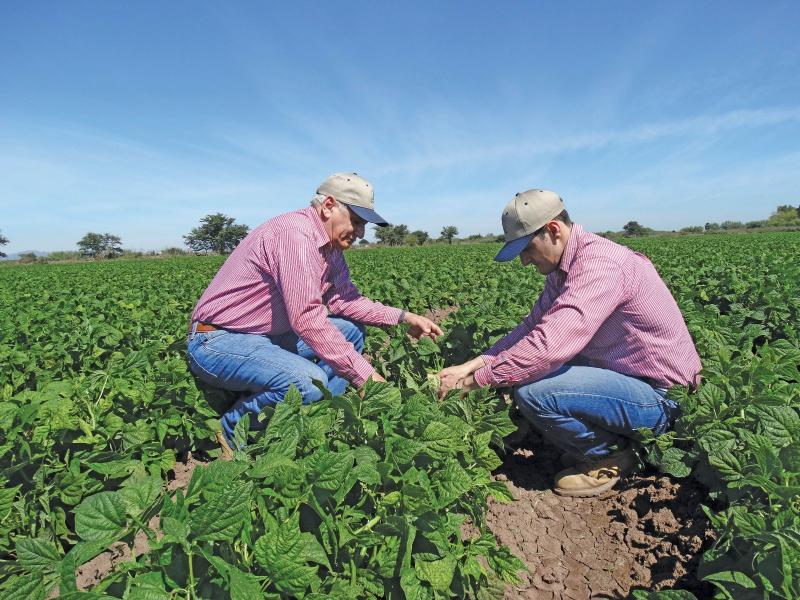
x: 488, y: 360
x: 362, y: 369
x: 483, y: 376
x: 392, y: 315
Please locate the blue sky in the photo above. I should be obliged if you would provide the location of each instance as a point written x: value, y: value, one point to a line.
x: 139, y: 118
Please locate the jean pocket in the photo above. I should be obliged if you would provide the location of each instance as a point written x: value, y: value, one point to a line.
x: 210, y: 336
x: 202, y: 373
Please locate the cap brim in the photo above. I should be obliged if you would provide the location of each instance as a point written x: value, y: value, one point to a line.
x: 369, y: 215
x: 512, y: 249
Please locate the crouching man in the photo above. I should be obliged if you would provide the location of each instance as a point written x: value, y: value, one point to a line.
x: 282, y: 310
x: 593, y: 360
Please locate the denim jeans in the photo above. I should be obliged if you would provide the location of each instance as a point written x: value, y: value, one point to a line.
x: 263, y: 367
x: 587, y: 412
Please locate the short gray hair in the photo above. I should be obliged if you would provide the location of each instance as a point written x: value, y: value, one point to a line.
x: 318, y: 199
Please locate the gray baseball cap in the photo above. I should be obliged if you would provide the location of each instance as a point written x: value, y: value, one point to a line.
x: 354, y: 191
x: 524, y: 216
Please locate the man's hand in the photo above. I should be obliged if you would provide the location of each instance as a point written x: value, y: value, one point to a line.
x: 376, y: 377
x: 373, y: 377
x: 421, y: 326
x: 465, y: 384
x: 450, y: 376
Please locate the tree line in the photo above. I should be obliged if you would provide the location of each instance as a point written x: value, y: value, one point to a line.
x: 220, y: 234
x: 785, y: 215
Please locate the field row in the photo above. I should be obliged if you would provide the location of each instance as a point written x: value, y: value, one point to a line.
x: 97, y: 404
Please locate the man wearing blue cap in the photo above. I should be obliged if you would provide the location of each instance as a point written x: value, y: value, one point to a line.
x: 282, y: 310
x: 592, y: 362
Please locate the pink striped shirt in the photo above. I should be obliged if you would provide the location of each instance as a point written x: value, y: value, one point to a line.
x: 604, y: 304
x: 286, y: 276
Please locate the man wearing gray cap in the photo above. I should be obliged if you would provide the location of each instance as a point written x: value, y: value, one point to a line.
x: 593, y: 360
x: 282, y: 310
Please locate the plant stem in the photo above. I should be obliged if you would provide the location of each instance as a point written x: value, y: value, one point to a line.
x: 190, y: 589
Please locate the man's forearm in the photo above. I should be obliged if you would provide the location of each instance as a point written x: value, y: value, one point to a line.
x: 474, y: 364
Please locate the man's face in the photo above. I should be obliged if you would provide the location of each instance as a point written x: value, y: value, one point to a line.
x: 544, y: 251
x: 345, y: 227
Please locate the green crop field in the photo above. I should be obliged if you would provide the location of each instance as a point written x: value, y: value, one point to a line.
x: 380, y: 496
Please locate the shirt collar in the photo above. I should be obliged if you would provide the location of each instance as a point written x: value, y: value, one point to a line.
x: 320, y: 235
x: 571, y: 248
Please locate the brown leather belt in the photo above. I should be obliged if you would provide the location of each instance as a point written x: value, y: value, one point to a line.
x: 204, y: 328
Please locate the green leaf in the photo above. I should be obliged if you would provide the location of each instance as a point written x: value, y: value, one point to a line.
x: 505, y: 564
x: 176, y: 529
x: 244, y: 586
x: 500, y: 492
x: 24, y: 587
x: 439, y: 573
x: 441, y: 440
x: 717, y: 439
x: 140, y: 493
x: 280, y: 553
x: 726, y: 463
x: 313, y: 550
x: 36, y: 554
x: 778, y: 423
x: 328, y: 470
x: 676, y: 462
x: 412, y: 586
x: 100, y: 518
x: 665, y: 595
x: 148, y: 586
x: 380, y: 398
x: 223, y: 515
x: 736, y: 577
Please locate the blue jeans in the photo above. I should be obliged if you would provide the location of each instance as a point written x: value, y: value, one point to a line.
x: 263, y: 367
x: 587, y: 412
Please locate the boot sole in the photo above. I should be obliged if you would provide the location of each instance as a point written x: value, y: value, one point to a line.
x: 226, y: 453
x: 588, y: 493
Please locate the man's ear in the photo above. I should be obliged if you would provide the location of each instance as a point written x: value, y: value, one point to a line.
x: 327, y: 207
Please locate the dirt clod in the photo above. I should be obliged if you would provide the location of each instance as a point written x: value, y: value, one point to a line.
x: 648, y: 533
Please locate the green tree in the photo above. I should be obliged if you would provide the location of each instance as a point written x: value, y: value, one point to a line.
x: 784, y: 215
x: 422, y: 236
x: 692, y: 229
x: 383, y: 235
x: 28, y: 257
x: 100, y: 245
x: 448, y: 233
x: 3, y: 242
x: 391, y: 235
x: 633, y: 229
x: 216, y: 233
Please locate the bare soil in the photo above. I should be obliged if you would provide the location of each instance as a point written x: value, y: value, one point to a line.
x: 649, y: 533
x: 93, y: 572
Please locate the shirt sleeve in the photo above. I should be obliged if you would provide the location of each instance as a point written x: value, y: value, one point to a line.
x: 297, y: 271
x: 591, y: 292
x: 344, y: 299
x: 543, y: 302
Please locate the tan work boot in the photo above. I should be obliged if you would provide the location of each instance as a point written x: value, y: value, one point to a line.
x: 595, y: 477
x: 226, y: 453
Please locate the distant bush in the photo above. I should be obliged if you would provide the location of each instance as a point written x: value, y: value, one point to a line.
x: 28, y: 258
x: 693, y: 229
x: 63, y: 255
x: 731, y: 225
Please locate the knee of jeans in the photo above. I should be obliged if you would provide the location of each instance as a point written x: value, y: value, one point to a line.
x: 533, y: 399
x: 305, y: 384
